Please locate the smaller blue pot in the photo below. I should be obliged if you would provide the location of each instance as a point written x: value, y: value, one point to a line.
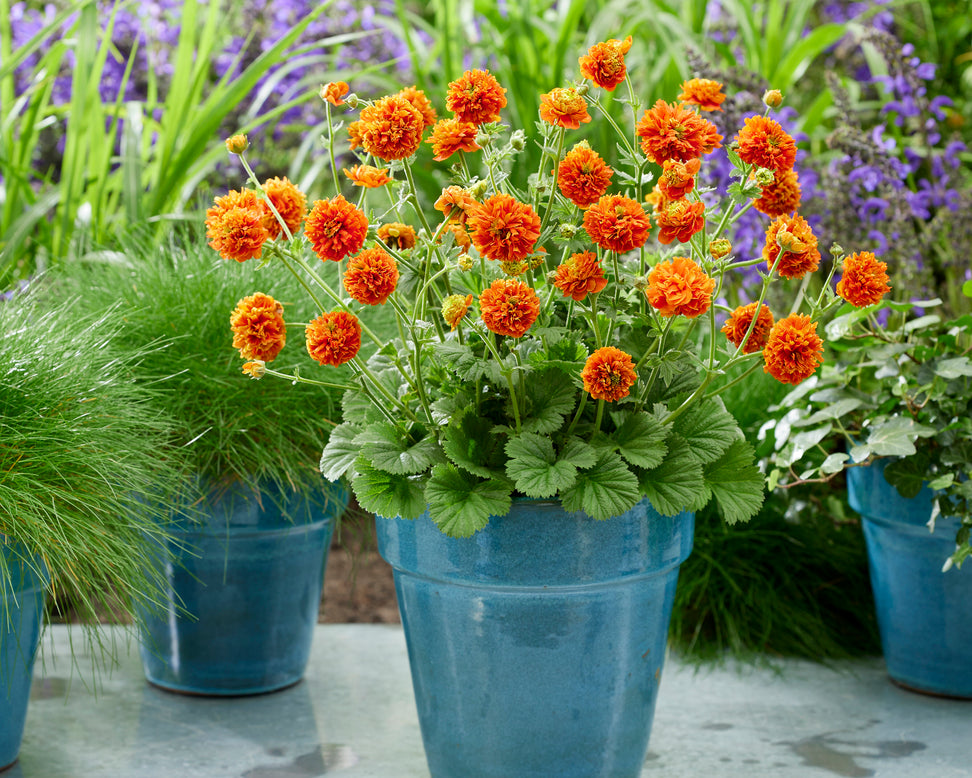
x: 924, y: 615
x: 536, y: 646
x: 21, y: 615
x: 244, y: 590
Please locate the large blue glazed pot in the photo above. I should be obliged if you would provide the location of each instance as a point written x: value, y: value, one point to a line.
x: 21, y: 615
x: 536, y: 646
x: 924, y: 615
x: 243, y: 592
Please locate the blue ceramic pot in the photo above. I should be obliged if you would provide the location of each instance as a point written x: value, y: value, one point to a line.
x: 21, y: 614
x: 244, y: 589
x: 536, y: 646
x: 924, y: 615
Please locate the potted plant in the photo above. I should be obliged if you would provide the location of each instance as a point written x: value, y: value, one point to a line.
x: 250, y: 531
x: 535, y: 465
x: 78, y: 442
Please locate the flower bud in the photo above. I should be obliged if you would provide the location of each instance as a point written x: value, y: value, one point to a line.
x: 640, y: 283
x: 719, y: 248
x: 464, y: 262
x: 836, y: 250
x: 773, y: 98
x: 352, y: 101
x: 582, y: 90
x: 237, y: 144
x: 484, y: 139
x: 764, y: 176
x: 567, y: 231
x: 477, y: 190
x: 255, y: 369
x: 518, y: 140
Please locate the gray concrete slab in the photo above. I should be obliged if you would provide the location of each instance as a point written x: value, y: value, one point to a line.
x: 354, y: 716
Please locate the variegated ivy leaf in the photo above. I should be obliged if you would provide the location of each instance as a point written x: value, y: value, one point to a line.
x: 736, y: 483
x: 676, y: 485
x: 708, y: 428
x: 535, y: 468
x: 461, y: 504
x: 895, y: 436
x: 389, y: 449
x: 640, y: 439
x: 387, y: 494
x: 340, y: 452
x: 607, y: 489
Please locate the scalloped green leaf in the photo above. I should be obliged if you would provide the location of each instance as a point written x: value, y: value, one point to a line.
x: 550, y: 396
x: 388, y: 449
x: 387, y: 494
x: 471, y: 443
x: 340, y: 452
x: 461, y: 504
x: 676, y: 485
x: 708, y: 428
x: 465, y: 362
x: 533, y: 466
x: 607, y: 489
x: 736, y: 483
x: 578, y: 452
x: 640, y: 438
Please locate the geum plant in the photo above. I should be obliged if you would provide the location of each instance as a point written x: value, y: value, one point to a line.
x: 592, y: 369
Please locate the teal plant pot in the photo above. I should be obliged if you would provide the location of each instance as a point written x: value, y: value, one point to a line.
x: 243, y: 594
x: 924, y: 615
x: 21, y: 617
x: 536, y: 646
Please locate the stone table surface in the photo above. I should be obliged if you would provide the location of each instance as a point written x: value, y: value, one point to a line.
x: 354, y: 716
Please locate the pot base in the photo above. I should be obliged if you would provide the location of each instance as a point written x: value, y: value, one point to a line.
x: 186, y: 692
x: 929, y: 692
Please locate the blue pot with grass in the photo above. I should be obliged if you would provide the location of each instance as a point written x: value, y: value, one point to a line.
x: 536, y: 646
x: 21, y: 617
x: 924, y: 614
x: 243, y: 578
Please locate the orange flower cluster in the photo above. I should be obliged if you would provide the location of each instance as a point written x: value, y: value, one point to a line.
x: 476, y: 97
x: 392, y: 128
x: 258, y: 327
x: 737, y: 325
x: 793, y: 350
x: 865, y: 280
x: 780, y: 197
x: 604, y: 63
x: 791, y: 235
x: 609, y: 374
x: 371, y: 276
x: 335, y: 228
x: 456, y: 203
x: 421, y: 103
x: 563, y: 107
x: 679, y: 220
x: 289, y: 202
x: 617, y: 223
x: 580, y: 275
x: 451, y: 135
x: 333, y: 338
x: 763, y: 142
x: 509, y: 307
x: 704, y: 93
x: 368, y: 176
x: 679, y: 288
x: 454, y: 308
x: 396, y: 235
x: 503, y: 228
x: 582, y: 176
x: 678, y: 178
x: 675, y: 132
x: 235, y: 226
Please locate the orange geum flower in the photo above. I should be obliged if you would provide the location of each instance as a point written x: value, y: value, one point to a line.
x: 396, y: 235
x: 679, y: 220
x: 255, y: 369
x: 678, y: 178
x: 290, y: 203
x: 451, y: 135
x: 617, y: 223
x: 235, y: 226
x: 608, y: 374
x: 674, y: 132
x: 791, y: 235
x: 704, y: 93
x: 780, y: 197
x: 335, y: 228
x: 509, y: 307
x: 258, y: 327
x: 582, y: 176
x: 793, y: 350
x: 865, y: 280
x: 456, y: 203
x: 421, y: 103
x: 604, y: 63
x: 679, y: 288
x: 503, y: 228
x: 334, y: 92
x: 333, y: 338
x: 563, y: 107
x: 763, y: 142
x: 236, y: 144
x: 393, y: 128
x: 454, y: 307
x: 476, y: 97
x: 579, y: 275
x: 737, y: 325
x: 367, y: 176
x: 371, y: 276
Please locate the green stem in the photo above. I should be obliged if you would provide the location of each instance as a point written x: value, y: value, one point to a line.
x: 297, y: 378
x: 330, y: 149
x: 553, y: 185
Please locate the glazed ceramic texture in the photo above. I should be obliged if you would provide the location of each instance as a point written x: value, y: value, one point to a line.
x: 536, y: 646
x: 244, y: 589
x: 924, y: 615
x: 21, y: 614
